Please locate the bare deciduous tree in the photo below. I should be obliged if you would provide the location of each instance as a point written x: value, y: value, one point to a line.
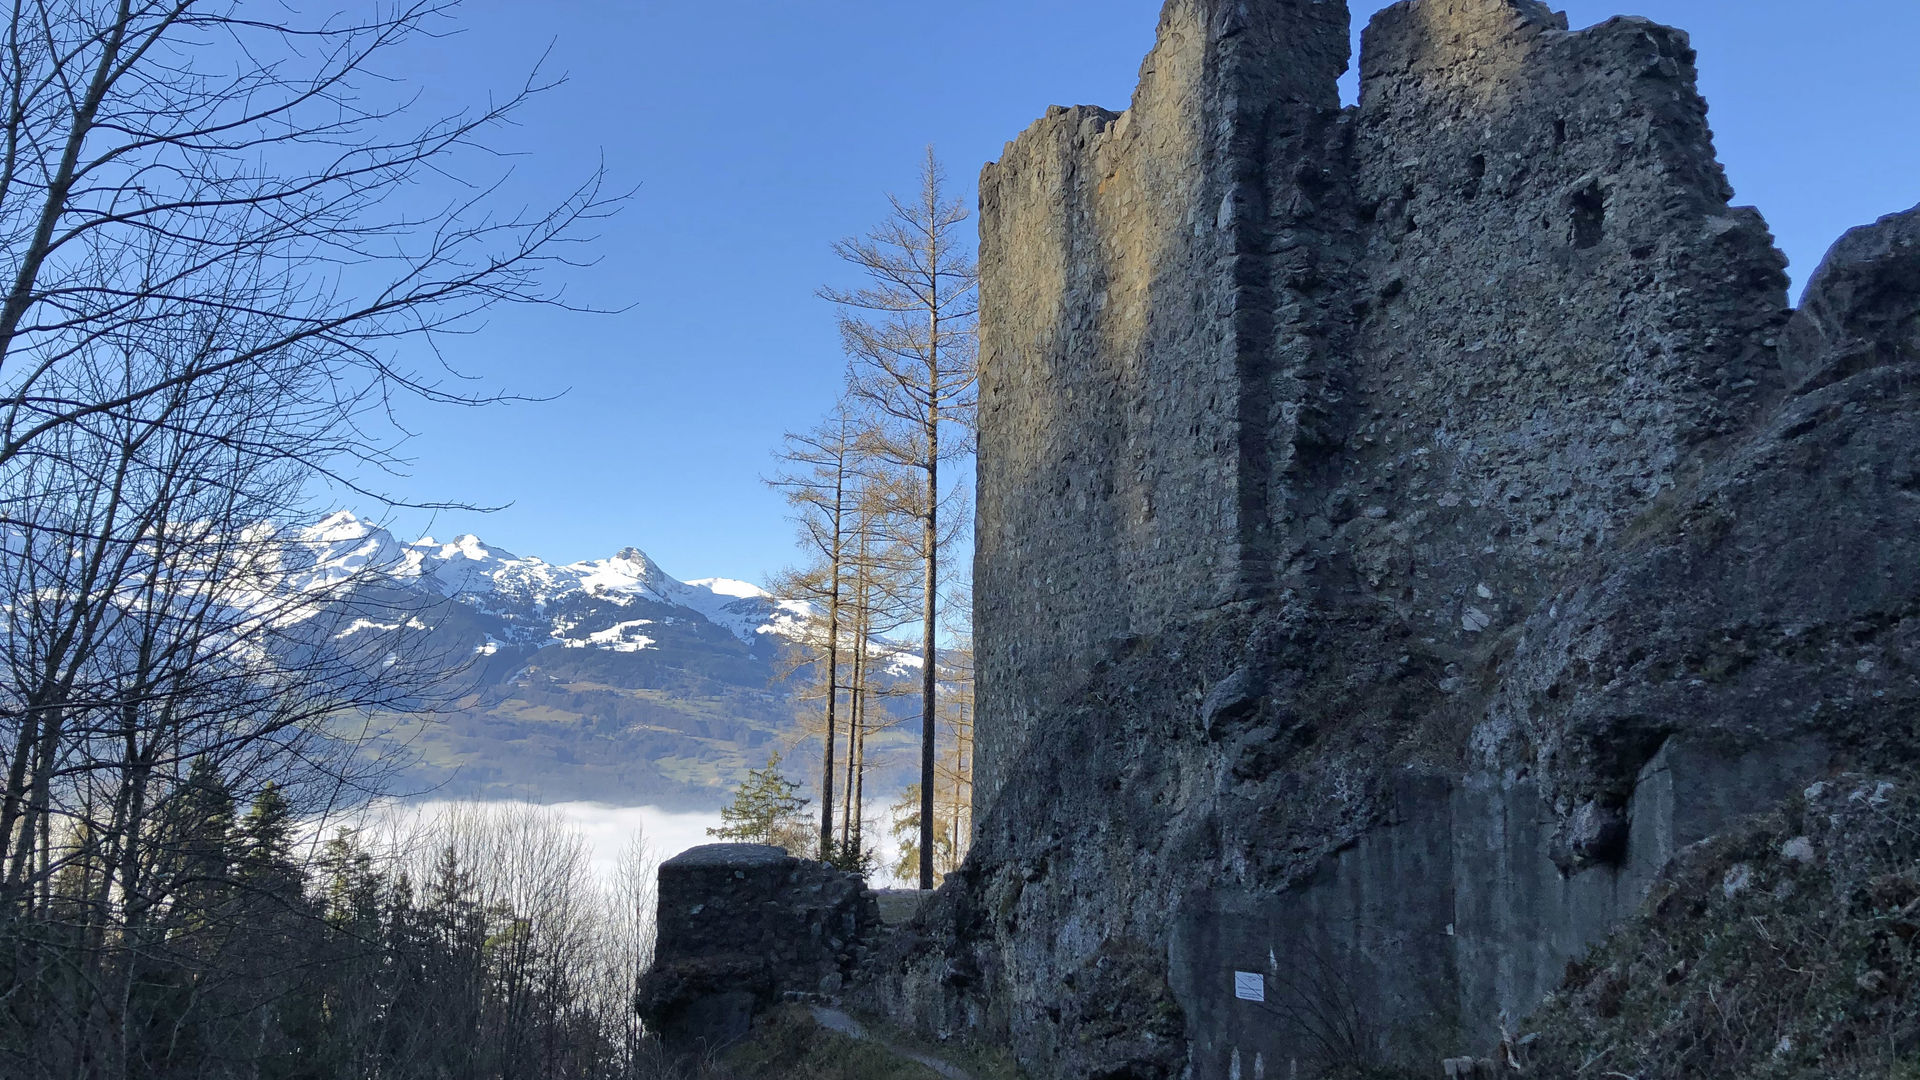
x: 627, y: 946
x: 910, y: 332
x: 862, y: 570
x: 230, y: 183
x: 212, y: 252
x: 953, y: 797
x: 818, y: 478
x: 475, y: 941
x: 881, y: 600
x: 955, y: 806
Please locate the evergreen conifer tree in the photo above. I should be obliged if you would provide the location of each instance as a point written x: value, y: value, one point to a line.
x: 198, y: 849
x: 905, y: 826
x: 765, y: 810
x: 266, y: 836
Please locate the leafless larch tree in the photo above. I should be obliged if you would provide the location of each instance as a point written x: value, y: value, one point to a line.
x: 910, y: 333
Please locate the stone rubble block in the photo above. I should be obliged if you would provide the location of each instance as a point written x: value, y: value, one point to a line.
x: 742, y: 926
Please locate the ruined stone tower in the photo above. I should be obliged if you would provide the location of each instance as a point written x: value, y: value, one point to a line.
x: 1396, y: 534
x: 1128, y: 344
x: 1472, y: 327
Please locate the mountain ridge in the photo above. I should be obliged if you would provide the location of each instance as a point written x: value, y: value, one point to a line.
x: 470, y: 570
x: 603, y: 680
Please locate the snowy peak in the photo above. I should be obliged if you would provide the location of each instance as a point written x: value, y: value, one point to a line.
x: 338, y: 526
x: 466, y: 547
x: 629, y: 572
x: 342, y: 546
x: 720, y: 586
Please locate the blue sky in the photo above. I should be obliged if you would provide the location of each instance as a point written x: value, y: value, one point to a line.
x: 758, y: 132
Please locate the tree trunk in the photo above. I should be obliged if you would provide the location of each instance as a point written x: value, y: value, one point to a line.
x: 833, y: 694
x: 833, y: 643
x: 860, y: 790
x: 857, y: 735
x: 856, y: 716
x: 953, y: 809
x: 929, y: 727
x: 14, y: 802
x: 929, y: 676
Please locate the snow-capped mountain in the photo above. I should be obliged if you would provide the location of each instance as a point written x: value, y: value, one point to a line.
x: 607, y: 680
x: 540, y: 603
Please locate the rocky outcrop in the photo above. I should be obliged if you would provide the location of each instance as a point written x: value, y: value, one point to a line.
x: 741, y: 926
x: 1772, y: 597
x: 1788, y: 945
x: 1403, y: 529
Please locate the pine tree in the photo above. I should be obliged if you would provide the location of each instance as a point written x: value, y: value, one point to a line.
x: 198, y: 846
x: 266, y: 837
x: 277, y: 930
x: 765, y: 810
x: 905, y: 820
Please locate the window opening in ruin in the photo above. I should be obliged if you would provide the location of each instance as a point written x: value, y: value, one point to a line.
x: 1589, y: 211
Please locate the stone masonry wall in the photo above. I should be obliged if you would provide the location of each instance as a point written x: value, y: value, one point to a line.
x: 1557, y: 306
x: 1121, y: 255
x: 739, y: 926
x: 1398, y: 527
x: 1450, y: 341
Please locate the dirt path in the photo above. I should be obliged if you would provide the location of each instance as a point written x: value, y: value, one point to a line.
x: 835, y: 1020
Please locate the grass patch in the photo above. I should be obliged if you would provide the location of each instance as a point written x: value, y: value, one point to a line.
x: 980, y: 1061
x: 1789, y: 949
x: 786, y: 1043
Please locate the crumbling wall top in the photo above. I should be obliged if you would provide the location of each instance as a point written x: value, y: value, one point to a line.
x: 739, y: 925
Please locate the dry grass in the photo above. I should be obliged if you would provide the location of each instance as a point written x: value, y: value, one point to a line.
x: 787, y: 1044
x: 1788, y: 949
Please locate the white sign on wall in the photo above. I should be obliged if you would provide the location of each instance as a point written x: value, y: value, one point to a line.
x: 1249, y: 986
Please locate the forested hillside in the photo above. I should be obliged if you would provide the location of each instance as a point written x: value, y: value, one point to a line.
x: 479, y: 945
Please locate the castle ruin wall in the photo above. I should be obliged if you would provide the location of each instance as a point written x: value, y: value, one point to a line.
x: 1122, y: 343
x: 1401, y: 528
